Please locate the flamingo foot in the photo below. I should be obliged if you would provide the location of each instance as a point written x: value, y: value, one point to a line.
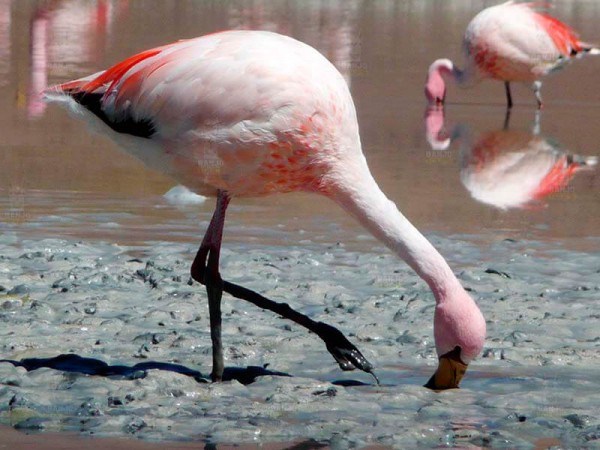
x: 343, y: 351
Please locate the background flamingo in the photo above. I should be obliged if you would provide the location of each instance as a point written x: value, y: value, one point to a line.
x: 251, y: 113
x: 509, y: 42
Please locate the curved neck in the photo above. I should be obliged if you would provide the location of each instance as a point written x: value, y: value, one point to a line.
x: 362, y: 198
x: 444, y: 68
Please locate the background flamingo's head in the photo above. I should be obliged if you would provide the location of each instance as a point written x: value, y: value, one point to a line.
x: 435, y: 86
x: 459, y: 330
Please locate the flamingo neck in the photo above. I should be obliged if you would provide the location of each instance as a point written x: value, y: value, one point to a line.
x: 364, y: 200
x: 435, y: 86
x: 445, y: 68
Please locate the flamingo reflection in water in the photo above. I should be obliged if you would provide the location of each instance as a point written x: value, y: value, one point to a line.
x: 63, y: 35
x: 507, y: 168
x: 5, y: 44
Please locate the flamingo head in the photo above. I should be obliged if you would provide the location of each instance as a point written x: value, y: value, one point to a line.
x: 435, y: 86
x: 459, y: 330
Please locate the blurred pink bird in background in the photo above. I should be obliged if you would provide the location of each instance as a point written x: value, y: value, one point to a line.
x: 251, y: 113
x: 63, y: 33
x: 509, y: 42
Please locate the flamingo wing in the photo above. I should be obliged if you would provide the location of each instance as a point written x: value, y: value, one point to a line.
x: 110, y: 94
x: 564, y: 37
x: 213, y: 85
x: 228, y: 105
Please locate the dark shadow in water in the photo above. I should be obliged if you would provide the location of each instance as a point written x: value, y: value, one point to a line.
x: 350, y: 383
x: 92, y: 366
x: 304, y: 445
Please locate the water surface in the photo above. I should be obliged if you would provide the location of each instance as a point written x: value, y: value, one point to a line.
x: 50, y: 161
x: 58, y: 181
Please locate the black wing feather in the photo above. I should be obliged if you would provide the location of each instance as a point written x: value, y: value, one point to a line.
x: 128, y: 125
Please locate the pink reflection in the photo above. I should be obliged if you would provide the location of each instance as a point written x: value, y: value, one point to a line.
x: 508, y: 168
x: 436, y: 133
x: 326, y: 26
x: 64, y: 35
x: 5, y: 23
x: 39, y: 62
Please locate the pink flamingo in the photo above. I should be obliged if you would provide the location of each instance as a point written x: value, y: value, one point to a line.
x: 509, y: 42
x: 251, y: 113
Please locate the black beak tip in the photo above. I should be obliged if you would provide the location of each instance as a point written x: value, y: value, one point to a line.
x: 431, y: 384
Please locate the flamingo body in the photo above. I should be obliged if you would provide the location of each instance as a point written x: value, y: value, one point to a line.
x: 510, y: 42
x: 233, y: 117
x: 544, y: 44
x: 250, y: 113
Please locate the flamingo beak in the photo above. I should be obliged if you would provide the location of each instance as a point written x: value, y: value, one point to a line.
x: 439, y: 101
x: 450, y: 371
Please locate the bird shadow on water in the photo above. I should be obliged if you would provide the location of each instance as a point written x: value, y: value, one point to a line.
x: 91, y: 366
x: 73, y: 363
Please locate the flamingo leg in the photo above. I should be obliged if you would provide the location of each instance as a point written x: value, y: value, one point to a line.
x: 537, y: 88
x: 536, y: 128
x: 506, y: 119
x: 207, y: 272
x: 343, y: 351
x: 509, y: 102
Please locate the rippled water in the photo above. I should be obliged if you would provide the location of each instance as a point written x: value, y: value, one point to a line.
x: 382, y: 48
x: 58, y: 181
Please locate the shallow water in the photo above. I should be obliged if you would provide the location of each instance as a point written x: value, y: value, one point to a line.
x: 62, y: 185
x: 123, y: 305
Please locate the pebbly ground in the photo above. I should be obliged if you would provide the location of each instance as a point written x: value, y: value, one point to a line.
x: 135, y: 309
